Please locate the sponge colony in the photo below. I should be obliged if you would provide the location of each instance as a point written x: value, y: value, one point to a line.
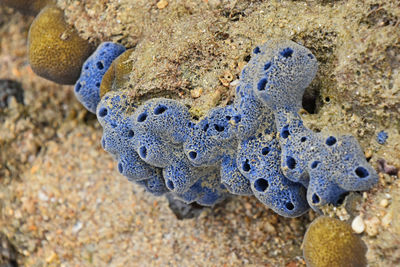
x: 56, y: 52
x: 331, y: 242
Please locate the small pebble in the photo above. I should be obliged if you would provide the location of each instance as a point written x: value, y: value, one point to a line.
x: 387, y: 219
x: 162, y: 4
x: 372, y: 226
x: 196, y: 93
x: 384, y: 203
x: 382, y: 137
x: 42, y: 196
x: 77, y: 227
x: 358, y: 225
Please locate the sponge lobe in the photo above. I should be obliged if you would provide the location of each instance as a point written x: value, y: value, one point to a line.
x: 87, y: 88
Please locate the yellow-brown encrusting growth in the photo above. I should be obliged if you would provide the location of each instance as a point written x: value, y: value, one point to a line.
x: 330, y: 242
x: 30, y: 7
x: 56, y: 51
x: 118, y: 73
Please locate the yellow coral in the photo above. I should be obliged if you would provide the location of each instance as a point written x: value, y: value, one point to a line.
x: 118, y: 73
x: 56, y: 51
x: 31, y: 7
x: 331, y: 243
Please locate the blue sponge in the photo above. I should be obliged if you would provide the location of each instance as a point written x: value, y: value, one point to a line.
x: 258, y: 160
x: 168, y: 119
x: 113, y: 114
x: 256, y: 146
x: 87, y: 88
x: 282, y: 72
x: 212, y: 137
x: 207, y: 191
x: 232, y: 179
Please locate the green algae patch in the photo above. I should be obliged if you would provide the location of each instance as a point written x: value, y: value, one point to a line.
x: 56, y: 51
x: 331, y: 242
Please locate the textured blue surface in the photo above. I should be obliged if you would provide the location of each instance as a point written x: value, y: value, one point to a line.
x: 256, y: 146
x: 87, y: 88
x: 382, y: 137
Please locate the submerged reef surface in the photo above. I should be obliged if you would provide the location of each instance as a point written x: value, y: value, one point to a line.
x: 256, y: 146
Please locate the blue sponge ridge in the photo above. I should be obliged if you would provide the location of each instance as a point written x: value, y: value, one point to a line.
x: 87, y: 88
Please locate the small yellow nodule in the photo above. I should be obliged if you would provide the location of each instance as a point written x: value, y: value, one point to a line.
x: 331, y: 242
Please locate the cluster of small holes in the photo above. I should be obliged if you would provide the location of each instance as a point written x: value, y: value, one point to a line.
x: 219, y: 128
x: 287, y: 52
x: 193, y: 154
x: 143, y: 152
x: 170, y: 185
x: 361, y: 172
x: 246, y: 166
x: 265, y: 151
x: 100, y: 65
x: 103, y: 112
x: 315, y: 199
x: 261, y: 185
x: 314, y: 164
x: 142, y: 117
x: 261, y: 84
x: 290, y: 162
x: 289, y: 206
x: 237, y: 118
x: 267, y: 66
x: 160, y: 109
x: 78, y: 87
x: 285, y: 132
x: 331, y: 140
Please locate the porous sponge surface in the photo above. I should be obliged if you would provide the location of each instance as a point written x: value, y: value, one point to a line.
x: 87, y: 88
x: 256, y: 146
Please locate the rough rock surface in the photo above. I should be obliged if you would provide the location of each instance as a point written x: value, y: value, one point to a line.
x: 57, y: 186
